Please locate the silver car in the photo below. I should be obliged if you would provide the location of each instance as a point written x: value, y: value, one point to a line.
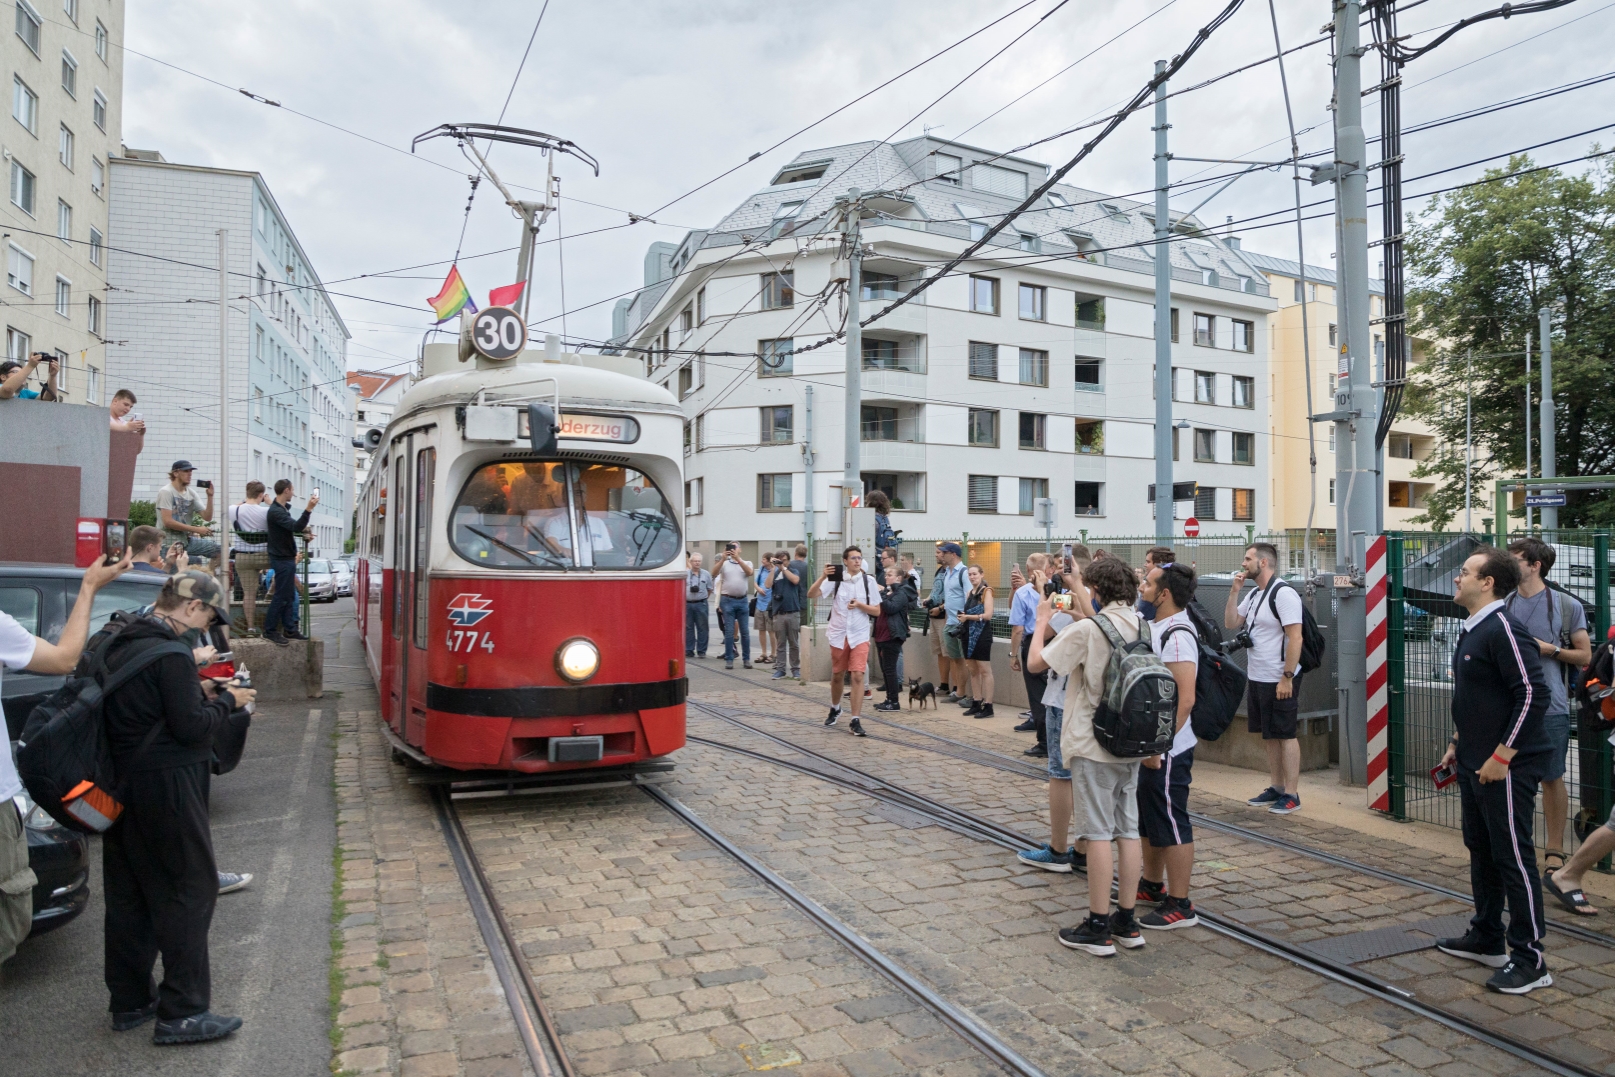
x: 321, y: 581
x: 344, y: 576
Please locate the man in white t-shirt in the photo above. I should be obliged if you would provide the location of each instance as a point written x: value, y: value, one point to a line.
x: 1163, y: 783
x: 21, y: 649
x: 249, y: 547
x: 854, y: 603
x: 1273, y: 663
x: 731, y: 575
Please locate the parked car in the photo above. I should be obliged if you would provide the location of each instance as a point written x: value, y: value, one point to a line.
x: 343, y: 571
x: 41, y: 597
x: 321, y: 581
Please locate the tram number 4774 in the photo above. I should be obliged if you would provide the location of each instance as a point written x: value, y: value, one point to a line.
x: 460, y: 639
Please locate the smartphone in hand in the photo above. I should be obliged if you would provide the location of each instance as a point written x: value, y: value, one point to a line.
x: 1444, y: 776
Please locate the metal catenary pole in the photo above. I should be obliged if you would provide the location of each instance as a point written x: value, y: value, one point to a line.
x: 1601, y: 618
x: 221, y: 495
x: 1356, y: 486
x: 1469, y: 438
x: 1396, y: 677
x: 1550, y: 458
x: 1528, y: 424
x: 851, y: 475
x: 1164, y: 505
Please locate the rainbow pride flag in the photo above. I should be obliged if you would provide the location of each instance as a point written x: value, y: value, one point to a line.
x: 453, y: 297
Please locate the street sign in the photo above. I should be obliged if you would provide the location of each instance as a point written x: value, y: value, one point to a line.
x: 1544, y: 501
x: 1043, y: 512
x: 1191, y: 527
x: 498, y: 333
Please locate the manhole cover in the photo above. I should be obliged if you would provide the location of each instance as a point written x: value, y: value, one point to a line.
x: 1387, y: 941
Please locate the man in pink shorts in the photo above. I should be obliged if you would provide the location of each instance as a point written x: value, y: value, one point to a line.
x: 854, y: 603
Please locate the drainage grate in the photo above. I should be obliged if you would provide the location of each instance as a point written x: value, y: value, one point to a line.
x: 1387, y: 941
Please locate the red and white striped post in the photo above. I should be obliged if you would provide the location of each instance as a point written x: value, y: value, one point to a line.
x: 1379, y: 698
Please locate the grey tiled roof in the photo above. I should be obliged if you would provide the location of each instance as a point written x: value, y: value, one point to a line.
x: 1288, y: 268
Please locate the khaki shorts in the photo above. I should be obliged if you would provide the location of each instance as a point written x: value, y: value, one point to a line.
x: 937, y: 626
x: 17, y: 882
x: 952, y: 646
x: 764, y: 620
x: 1104, y: 799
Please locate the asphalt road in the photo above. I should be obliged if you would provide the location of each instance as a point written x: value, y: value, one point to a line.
x: 274, y: 816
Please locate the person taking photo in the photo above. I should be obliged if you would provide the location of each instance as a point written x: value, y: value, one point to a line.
x: 854, y: 603
x: 280, y: 623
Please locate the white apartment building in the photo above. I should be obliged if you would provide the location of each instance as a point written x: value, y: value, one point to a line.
x: 376, y: 394
x: 291, y: 413
x: 1026, y: 373
x: 65, y: 58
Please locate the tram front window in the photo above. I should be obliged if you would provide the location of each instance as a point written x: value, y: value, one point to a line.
x: 558, y: 514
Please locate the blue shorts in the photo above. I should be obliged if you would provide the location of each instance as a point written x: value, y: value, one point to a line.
x: 1057, y: 767
x: 1557, y: 727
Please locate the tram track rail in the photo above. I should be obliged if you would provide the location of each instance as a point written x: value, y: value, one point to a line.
x: 977, y: 828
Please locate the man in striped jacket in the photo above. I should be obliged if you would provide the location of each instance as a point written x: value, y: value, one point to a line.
x: 1501, y: 749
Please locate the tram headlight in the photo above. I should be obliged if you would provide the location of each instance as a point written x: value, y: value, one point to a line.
x: 577, y: 659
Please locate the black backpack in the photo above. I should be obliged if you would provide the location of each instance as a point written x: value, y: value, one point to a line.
x: 1597, y: 688
x: 1219, y: 685
x: 1312, y: 642
x: 64, y: 758
x: 1138, y: 709
x: 1206, y: 627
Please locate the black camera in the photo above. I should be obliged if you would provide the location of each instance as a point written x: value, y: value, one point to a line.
x: 204, y: 484
x: 1239, y: 641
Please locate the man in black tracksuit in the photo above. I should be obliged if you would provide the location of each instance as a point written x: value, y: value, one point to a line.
x: 280, y: 623
x: 157, y: 860
x: 1499, y: 695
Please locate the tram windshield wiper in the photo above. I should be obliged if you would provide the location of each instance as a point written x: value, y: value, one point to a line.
x: 503, y: 545
x: 544, y: 544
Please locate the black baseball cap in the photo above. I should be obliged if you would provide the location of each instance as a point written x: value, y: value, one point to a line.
x: 181, y: 465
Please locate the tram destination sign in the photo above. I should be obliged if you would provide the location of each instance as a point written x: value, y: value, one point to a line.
x: 591, y: 426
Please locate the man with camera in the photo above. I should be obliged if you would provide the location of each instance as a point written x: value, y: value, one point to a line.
x: 1022, y: 618
x: 14, y: 378
x: 280, y: 623
x: 177, y: 511
x: 732, y: 574
x: 854, y: 603
x: 1269, y: 620
x: 947, y: 601
x: 697, y: 589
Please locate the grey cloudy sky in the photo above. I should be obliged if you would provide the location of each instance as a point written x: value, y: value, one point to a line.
x: 669, y: 94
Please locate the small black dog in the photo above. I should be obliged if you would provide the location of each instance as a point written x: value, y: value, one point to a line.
x: 921, y: 692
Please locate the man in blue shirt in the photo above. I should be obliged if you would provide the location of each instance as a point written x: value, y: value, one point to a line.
x: 1022, y: 618
x: 14, y: 378
x: 948, y: 590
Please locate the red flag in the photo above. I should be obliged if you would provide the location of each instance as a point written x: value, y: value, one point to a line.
x: 508, y: 296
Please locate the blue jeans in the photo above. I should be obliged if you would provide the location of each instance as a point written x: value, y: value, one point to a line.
x: 696, y: 627
x: 736, y: 616
x: 283, y: 603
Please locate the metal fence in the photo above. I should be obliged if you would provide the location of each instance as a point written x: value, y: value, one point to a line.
x: 1423, y: 624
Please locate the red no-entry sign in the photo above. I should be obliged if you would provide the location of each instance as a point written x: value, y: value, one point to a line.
x: 1191, y: 527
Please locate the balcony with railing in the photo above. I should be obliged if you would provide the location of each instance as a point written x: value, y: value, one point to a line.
x: 893, y: 436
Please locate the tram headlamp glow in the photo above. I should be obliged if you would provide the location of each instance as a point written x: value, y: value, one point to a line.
x: 577, y: 659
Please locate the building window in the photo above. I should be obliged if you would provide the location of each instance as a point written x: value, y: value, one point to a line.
x: 1033, y: 430
x: 1085, y: 498
x: 1204, y: 330
x: 774, y: 493
x: 24, y: 105
x: 70, y: 74
x: 98, y: 175
x: 1331, y: 491
x: 779, y: 290
x: 877, y: 423
x: 64, y: 295
x: 787, y: 210
x: 98, y: 111
x: 1091, y: 436
x: 1331, y: 387
x: 100, y: 40
x: 64, y: 220
x: 1034, y: 303
x: 17, y: 344
x: 1205, y: 503
x: 64, y: 147
x: 686, y: 319
x: 1334, y: 335
x: 1031, y: 490
x: 1244, y: 336
x: 984, y: 295
x: 878, y: 286
x: 1205, y: 387
x: 95, y: 315
x: 1088, y: 375
x: 982, y: 493
x: 983, y: 361
x: 20, y: 270
x: 1205, y: 446
x: 1244, y: 448
x: 1030, y: 242
x: 879, y: 354
x: 1300, y: 293
x: 1244, y: 504
x: 92, y: 385
x: 258, y: 400
x: 28, y: 21
x: 947, y: 168
x: 984, y: 427
x: 775, y: 358
x: 1001, y: 181
x: 777, y: 424
x: 1244, y: 392
x: 1034, y: 367
x: 692, y: 497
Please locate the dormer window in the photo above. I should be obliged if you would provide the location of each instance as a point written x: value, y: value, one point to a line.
x: 1114, y: 212
x: 1058, y: 200
x: 787, y: 210
x: 801, y: 173
x: 948, y: 168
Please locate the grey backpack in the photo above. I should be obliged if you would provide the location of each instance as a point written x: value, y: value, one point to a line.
x: 1138, y: 709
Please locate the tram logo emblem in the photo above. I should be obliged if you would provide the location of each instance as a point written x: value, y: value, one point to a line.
x: 467, y: 610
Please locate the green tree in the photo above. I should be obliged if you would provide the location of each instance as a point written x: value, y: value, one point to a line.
x: 1481, y: 262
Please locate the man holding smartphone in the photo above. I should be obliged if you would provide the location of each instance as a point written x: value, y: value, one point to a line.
x: 177, y: 511
x: 850, y: 629
x: 280, y: 623
x: 732, y: 574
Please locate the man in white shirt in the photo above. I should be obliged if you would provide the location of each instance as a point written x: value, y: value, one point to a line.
x: 1163, y: 783
x: 21, y: 649
x: 854, y: 603
x: 1273, y: 664
x: 249, y: 525
x: 732, y: 577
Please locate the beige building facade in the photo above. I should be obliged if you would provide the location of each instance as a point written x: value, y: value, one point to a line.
x: 65, y: 61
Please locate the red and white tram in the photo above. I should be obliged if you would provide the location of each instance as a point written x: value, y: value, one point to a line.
x: 520, y: 596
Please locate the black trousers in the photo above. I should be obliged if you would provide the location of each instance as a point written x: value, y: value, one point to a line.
x: 889, y: 650
x: 1036, y: 685
x: 160, y: 882
x: 1497, y: 820
x: 283, y: 601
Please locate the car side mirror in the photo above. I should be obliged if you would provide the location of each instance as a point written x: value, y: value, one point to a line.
x: 541, y: 428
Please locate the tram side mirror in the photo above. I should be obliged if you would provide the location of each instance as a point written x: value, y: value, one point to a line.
x: 541, y: 428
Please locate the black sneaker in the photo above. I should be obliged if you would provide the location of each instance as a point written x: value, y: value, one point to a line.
x: 985, y: 712
x: 1091, y: 936
x: 856, y: 728
x: 1170, y: 915
x: 1154, y: 893
x: 1469, y: 947
x: 123, y: 1022
x: 277, y: 639
x: 1026, y: 726
x: 1266, y: 798
x: 1079, y: 861
x: 1517, y: 979
x: 974, y: 708
x: 198, y: 1029
x: 1037, y: 751
x: 1124, y: 929
x: 830, y: 719
x: 292, y: 633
